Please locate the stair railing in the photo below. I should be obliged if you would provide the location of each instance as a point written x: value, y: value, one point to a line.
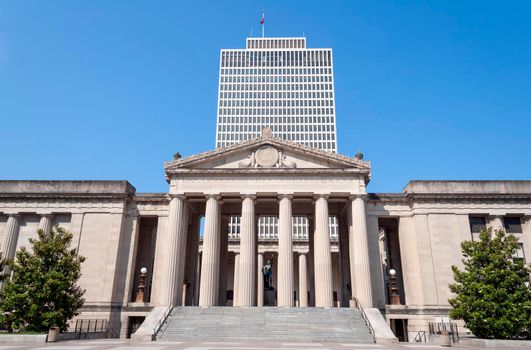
x: 364, y: 316
x: 420, y: 337
x: 161, y: 322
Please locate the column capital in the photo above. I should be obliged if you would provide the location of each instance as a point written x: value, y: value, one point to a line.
x: 362, y: 196
x: 47, y: 215
x: 281, y: 196
x: 14, y: 215
x: 178, y: 196
x: 320, y: 195
x: 216, y: 196
x: 249, y: 195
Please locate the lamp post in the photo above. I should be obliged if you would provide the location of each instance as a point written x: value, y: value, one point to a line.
x: 395, y: 298
x: 141, y: 286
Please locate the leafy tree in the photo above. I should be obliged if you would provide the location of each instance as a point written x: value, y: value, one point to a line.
x: 492, y: 293
x: 42, y: 291
x: 3, y: 268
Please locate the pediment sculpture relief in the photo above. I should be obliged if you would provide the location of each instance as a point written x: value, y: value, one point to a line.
x: 267, y: 157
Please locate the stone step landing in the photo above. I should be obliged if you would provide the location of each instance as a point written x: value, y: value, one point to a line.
x: 265, y: 324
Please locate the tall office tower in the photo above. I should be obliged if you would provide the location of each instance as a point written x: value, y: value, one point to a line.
x: 277, y: 82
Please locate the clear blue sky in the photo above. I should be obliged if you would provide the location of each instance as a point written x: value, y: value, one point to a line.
x: 110, y: 89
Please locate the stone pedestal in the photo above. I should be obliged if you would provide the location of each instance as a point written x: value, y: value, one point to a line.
x: 269, y: 297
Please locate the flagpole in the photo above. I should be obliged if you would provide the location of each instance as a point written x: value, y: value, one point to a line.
x: 263, y: 24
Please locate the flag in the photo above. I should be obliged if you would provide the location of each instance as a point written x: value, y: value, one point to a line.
x: 262, y: 20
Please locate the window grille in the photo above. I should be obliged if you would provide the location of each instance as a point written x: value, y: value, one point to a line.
x: 477, y: 224
x: 512, y: 224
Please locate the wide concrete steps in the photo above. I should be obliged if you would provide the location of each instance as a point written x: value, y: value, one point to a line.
x: 267, y: 324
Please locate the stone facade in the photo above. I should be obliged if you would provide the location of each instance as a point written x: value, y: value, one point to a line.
x: 416, y: 232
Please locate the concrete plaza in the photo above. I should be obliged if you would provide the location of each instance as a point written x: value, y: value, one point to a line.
x: 198, y: 345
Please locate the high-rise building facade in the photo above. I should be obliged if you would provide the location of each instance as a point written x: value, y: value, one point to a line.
x: 279, y: 83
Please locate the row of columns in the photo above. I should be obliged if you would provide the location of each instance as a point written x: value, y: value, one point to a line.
x: 247, y: 269
x: 12, y: 229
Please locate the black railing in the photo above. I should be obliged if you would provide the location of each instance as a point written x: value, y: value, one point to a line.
x: 364, y: 315
x: 420, y: 337
x: 445, y: 329
x: 84, y: 327
x: 161, y: 321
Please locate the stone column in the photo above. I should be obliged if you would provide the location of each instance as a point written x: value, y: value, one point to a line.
x: 311, y: 261
x: 285, y: 253
x: 359, y: 252
x: 197, y: 278
x: 260, y: 281
x: 303, y: 281
x: 192, y: 249
x: 176, y: 245
x: 247, y: 283
x: 11, y: 236
x: 46, y: 222
x: 223, y: 260
x: 236, y: 280
x: 208, y: 295
x: 322, y: 255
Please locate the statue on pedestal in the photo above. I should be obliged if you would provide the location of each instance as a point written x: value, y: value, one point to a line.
x: 267, y: 271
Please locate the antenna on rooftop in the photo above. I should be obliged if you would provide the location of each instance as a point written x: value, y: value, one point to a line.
x: 262, y: 22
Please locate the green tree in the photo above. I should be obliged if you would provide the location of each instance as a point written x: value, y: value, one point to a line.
x: 492, y: 293
x: 3, y: 268
x: 42, y: 291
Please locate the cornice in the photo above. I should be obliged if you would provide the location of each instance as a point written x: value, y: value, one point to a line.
x: 122, y: 196
x: 272, y: 171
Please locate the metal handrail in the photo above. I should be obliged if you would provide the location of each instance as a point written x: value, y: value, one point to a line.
x: 365, y: 318
x: 444, y: 328
x: 420, y: 337
x: 161, y: 321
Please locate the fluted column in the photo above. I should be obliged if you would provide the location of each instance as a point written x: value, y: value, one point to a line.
x: 176, y: 245
x: 236, y: 280
x: 192, y: 248
x: 247, y: 284
x: 285, y: 252
x: 303, y: 280
x: 11, y: 236
x: 46, y: 222
x: 322, y: 255
x: 223, y: 260
x: 260, y: 281
x: 208, y: 295
x: 359, y: 251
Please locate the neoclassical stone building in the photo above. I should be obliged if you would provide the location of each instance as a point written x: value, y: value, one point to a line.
x: 194, y: 257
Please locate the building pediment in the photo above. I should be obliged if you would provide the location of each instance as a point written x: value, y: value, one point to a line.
x: 267, y: 153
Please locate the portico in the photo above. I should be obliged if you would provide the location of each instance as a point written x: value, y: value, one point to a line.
x: 269, y: 177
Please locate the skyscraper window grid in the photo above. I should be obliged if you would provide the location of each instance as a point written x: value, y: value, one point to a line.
x: 277, y: 82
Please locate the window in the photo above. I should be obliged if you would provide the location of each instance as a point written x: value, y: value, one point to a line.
x: 512, y: 224
x: 477, y: 224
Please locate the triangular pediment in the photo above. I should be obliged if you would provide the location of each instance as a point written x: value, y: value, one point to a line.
x: 267, y: 152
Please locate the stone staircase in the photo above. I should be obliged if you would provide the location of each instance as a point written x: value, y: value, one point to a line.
x: 344, y: 325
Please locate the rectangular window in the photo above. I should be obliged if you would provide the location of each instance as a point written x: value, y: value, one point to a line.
x: 512, y: 224
x: 477, y: 224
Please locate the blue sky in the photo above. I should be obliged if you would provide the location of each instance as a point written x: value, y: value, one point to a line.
x: 111, y: 89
